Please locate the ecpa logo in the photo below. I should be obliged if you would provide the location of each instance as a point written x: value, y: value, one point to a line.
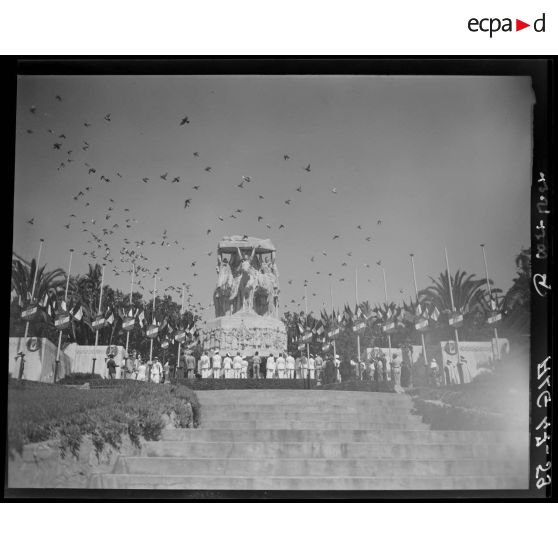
x: 493, y: 25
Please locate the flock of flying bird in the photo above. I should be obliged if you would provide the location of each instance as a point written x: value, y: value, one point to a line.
x: 113, y: 219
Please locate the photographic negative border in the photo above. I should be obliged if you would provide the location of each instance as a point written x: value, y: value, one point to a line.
x: 541, y: 70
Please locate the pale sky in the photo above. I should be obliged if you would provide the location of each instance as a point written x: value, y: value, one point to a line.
x: 440, y: 160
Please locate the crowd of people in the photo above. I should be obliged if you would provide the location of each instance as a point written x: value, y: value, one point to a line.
x: 325, y: 370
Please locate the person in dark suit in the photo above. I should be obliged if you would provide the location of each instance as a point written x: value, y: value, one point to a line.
x: 330, y: 372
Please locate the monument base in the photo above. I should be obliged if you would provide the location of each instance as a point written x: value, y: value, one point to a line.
x: 246, y: 332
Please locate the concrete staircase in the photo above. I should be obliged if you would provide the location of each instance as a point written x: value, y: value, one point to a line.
x: 320, y: 440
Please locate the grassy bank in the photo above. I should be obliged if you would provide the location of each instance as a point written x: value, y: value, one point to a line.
x: 38, y: 412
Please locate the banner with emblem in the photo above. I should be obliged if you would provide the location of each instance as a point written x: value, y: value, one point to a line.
x: 494, y: 318
x: 180, y: 336
x: 421, y: 325
x: 152, y: 331
x: 165, y: 344
x: 30, y: 313
x: 98, y: 323
x: 456, y: 320
x: 389, y: 327
x: 128, y: 323
x: 62, y: 321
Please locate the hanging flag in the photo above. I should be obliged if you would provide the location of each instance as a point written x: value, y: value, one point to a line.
x: 63, y: 306
x: 110, y: 319
x: 418, y: 310
x: 79, y: 314
x: 358, y: 312
x: 320, y: 330
x: 141, y: 318
x: 170, y: 329
x: 425, y: 314
x: 435, y: 314
x: 44, y: 301
x: 121, y: 313
x: 389, y: 313
x: 300, y: 328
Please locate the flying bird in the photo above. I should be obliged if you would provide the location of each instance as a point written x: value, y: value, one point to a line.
x: 164, y: 176
x: 299, y: 189
x: 145, y: 180
x: 196, y: 154
x: 260, y: 219
x: 281, y: 226
x: 208, y: 231
x: 288, y: 202
x: 32, y: 109
x: 379, y: 221
x: 286, y: 157
x: 368, y: 238
x: 359, y: 227
x: 31, y: 221
x: 260, y: 197
x: 336, y: 236
x: 379, y: 262
x: 307, y: 169
x: 187, y: 202
x: 176, y: 179
x: 334, y: 190
x: 185, y: 120
x: 207, y: 169
x: 246, y: 178
x: 196, y: 187
x: 57, y: 146
x: 241, y: 185
x: 86, y: 124
x: 29, y: 131
x: 107, y: 117
x: 58, y: 98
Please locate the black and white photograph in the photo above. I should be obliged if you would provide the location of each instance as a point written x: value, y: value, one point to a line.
x: 271, y: 282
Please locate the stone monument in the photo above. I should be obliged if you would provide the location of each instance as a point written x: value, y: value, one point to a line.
x: 246, y: 299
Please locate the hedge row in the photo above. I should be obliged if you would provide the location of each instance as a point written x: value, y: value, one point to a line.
x: 360, y: 385
x: 247, y: 383
x: 38, y: 412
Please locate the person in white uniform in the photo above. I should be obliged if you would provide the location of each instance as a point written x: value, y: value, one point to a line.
x: 290, y: 364
x: 216, y: 364
x: 281, y: 366
x: 227, y: 366
x: 237, y: 365
x: 270, y: 366
x: 311, y: 367
x: 204, y: 365
x: 156, y: 371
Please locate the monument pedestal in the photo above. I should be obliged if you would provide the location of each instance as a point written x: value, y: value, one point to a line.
x: 246, y: 332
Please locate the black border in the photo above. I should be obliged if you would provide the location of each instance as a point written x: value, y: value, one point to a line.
x: 541, y: 69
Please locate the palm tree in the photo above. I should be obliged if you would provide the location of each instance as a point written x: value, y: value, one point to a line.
x: 470, y: 297
x: 517, y: 301
x: 46, y: 283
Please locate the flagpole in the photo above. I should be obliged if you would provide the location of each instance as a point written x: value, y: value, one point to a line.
x: 181, y: 314
x: 57, y: 362
x: 358, y: 332
x: 490, y: 295
x: 334, y: 325
x: 131, y: 291
x: 22, y: 353
x: 153, y: 317
x: 416, y: 293
x: 98, y: 312
x: 452, y: 306
x: 307, y: 343
x: 386, y: 299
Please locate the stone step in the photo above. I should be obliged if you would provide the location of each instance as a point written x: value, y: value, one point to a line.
x: 372, y: 415
x: 184, y: 482
x: 395, y: 436
x: 402, y: 404
x: 296, y: 396
x: 353, y: 450
x: 270, y: 467
x: 408, y: 423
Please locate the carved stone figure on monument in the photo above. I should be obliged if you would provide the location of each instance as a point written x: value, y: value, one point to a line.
x: 222, y: 293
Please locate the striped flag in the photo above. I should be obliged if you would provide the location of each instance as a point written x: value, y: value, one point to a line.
x: 44, y: 301
x: 110, y: 319
x: 435, y: 314
x: 418, y: 310
x: 79, y: 314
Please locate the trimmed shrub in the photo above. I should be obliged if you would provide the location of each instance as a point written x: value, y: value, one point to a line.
x: 359, y: 385
x: 249, y: 383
